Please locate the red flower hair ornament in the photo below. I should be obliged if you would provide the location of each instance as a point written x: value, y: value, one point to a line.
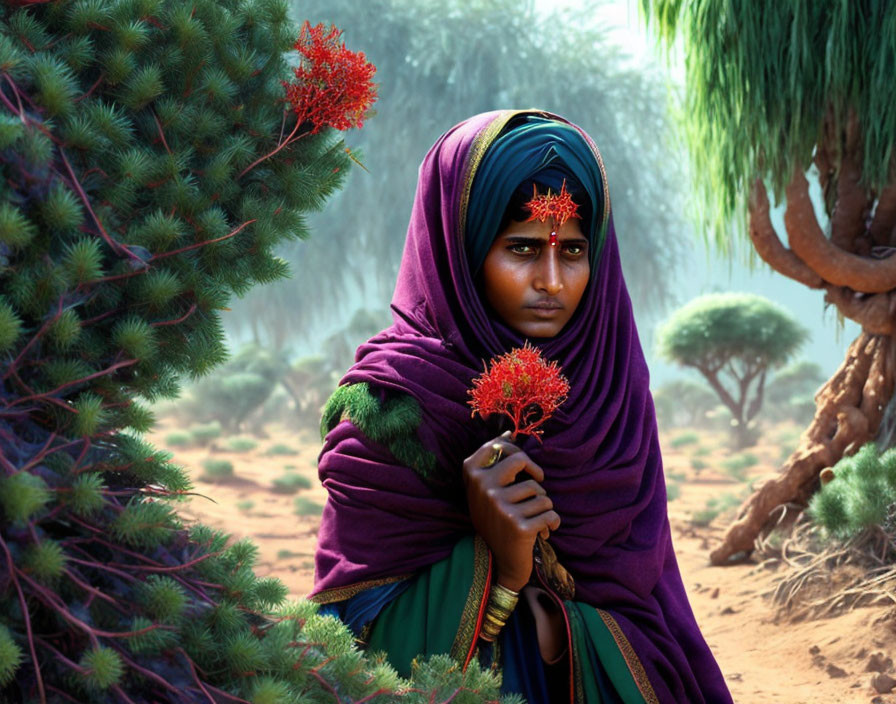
x: 560, y: 206
x: 522, y: 385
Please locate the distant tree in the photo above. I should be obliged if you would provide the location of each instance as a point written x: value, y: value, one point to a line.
x: 309, y: 382
x: 239, y: 387
x: 791, y: 390
x: 780, y: 96
x: 683, y: 403
x: 439, y: 62
x: 796, y: 379
x: 733, y: 339
x: 312, y: 379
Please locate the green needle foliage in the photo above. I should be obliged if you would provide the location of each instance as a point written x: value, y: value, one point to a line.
x: 760, y: 79
x: 129, y: 216
x: 861, y: 495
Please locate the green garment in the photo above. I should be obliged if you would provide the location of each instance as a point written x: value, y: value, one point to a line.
x: 439, y: 612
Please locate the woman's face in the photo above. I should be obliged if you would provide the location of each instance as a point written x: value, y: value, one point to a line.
x: 534, y: 286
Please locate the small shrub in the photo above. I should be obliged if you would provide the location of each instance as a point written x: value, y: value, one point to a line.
x: 216, y: 470
x: 245, y: 506
x: 714, y: 507
x: 204, y: 434
x: 289, y: 554
x: 738, y: 465
x: 676, y: 476
x: 241, y: 444
x: 179, y: 439
x: 304, y: 506
x: 673, y: 491
x: 685, y: 439
x: 290, y: 484
x: 702, y: 451
x: 281, y: 449
x: 698, y: 464
x: 861, y: 494
x: 290, y: 467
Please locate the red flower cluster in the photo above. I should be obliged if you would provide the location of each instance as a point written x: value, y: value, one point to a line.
x: 522, y: 385
x: 334, y: 86
x: 561, y: 207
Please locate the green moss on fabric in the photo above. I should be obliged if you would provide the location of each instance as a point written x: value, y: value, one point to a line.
x: 392, y: 422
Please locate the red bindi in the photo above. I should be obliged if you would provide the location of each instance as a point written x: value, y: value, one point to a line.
x: 553, y: 240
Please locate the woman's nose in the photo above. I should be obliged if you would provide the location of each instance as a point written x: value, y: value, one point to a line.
x: 549, y: 278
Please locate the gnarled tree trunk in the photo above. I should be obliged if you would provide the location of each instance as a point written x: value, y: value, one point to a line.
x: 858, y: 274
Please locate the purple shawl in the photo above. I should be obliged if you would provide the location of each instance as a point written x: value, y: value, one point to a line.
x: 601, y: 455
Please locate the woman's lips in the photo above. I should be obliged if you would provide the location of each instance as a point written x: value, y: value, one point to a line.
x: 546, y: 310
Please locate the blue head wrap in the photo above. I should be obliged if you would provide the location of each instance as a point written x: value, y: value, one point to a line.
x: 533, y: 148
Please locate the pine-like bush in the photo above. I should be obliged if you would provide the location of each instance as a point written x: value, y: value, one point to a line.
x: 862, y: 493
x: 150, y: 165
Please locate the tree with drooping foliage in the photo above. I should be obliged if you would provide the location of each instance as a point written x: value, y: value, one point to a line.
x: 781, y: 96
x: 733, y: 340
x: 150, y: 163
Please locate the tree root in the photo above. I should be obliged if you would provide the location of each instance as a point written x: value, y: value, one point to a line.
x: 849, y: 408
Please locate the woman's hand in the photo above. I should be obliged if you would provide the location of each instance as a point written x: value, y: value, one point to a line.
x: 508, y: 516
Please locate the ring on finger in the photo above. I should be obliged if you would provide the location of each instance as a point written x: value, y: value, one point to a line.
x: 495, y: 456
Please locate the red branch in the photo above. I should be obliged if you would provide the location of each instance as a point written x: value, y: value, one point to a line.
x: 27, y: 618
x: 204, y: 242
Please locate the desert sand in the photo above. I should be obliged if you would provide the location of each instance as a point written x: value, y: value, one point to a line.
x: 766, y: 658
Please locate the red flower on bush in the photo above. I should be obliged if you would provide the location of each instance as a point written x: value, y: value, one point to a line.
x: 334, y: 86
x: 522, y: 385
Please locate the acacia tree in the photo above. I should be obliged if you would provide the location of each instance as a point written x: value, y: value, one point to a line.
x: 780, y: 95
x: 733, y: 339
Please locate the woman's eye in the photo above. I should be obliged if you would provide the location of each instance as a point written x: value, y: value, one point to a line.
x: 575, y: 249
x: 521, y: 248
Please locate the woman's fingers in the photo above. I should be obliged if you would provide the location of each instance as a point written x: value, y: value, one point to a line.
x: 509, y: 467
x: 535, y: 507
x: 549, y: 520
x: 504, y: 461
x: 514, y: 493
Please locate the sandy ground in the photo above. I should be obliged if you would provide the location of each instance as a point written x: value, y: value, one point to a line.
x: 766, y: 660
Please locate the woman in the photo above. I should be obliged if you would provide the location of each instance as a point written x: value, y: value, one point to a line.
x: 551, y: 558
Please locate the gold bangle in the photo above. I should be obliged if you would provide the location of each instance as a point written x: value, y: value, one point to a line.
x: 489, y: 631
x: 494, y: 619
x: 501, y: 589
x: 503, y: 597
x: 501, y: 603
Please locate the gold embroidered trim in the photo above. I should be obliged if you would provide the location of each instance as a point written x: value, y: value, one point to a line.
x: 481, y: 142
x: 328, y: 596
x: 578, y: 693
x: 631, y: 659
x: 469, y: 618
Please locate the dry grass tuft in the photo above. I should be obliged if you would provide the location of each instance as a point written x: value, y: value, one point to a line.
x: 826, y: 577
